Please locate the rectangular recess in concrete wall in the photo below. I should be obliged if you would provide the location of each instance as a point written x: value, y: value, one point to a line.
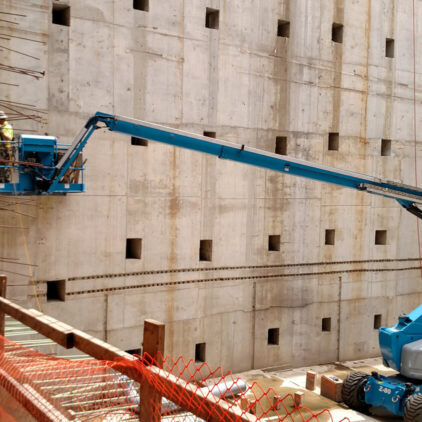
x: 212, y: 18
x: 56, y: 290
x: 200, y: 352
x: 377, y: 321
x: 337, y: 33
x: 139, y: 141
x: 385, y: 147
x: 281, y: 145
x: 205, y: 250
x: 283, y: 29
x: 330, y: 236
x: 273, y: 336
x: 326, y: 324
x: 274, y: 242
x: 210, y: 134
x: 133, y: 248
x: 389, y: 48
x: 333, y: 141
x: 61, y: 14
x: 134, y: 351
x: 141, y: 5
x: 380, y: 237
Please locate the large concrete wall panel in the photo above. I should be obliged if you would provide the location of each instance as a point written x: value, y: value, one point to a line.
x: 250, y: 86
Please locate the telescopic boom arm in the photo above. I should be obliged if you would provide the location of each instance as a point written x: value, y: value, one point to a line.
x: 407, y: 196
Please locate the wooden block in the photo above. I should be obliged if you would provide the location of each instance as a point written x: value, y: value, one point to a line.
x: 298, y: 398
x: 276, y: 402
x: 244, y: 403
x: 331, y: 388
x: 311, y: 377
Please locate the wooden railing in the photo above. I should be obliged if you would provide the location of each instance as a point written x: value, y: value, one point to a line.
x: 212, y: 409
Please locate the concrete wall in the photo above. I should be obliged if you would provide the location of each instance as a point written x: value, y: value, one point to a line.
x: 250, y: 86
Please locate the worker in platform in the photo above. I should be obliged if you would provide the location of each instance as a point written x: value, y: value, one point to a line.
x: 6, y: 151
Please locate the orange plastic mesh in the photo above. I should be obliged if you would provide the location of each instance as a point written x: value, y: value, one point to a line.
x: 54, y: 389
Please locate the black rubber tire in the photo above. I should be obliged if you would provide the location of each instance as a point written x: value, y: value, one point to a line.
x: 413, y: 409
x: 352, y: 389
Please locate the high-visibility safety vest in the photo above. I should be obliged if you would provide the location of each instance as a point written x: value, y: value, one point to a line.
x: 7, y: 130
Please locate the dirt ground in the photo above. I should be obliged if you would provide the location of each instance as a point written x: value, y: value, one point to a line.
x: 284, y: 382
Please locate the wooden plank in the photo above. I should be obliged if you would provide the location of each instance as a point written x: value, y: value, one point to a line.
x: 49, y: 327
x: 153, y: 349
x: 96, y: 348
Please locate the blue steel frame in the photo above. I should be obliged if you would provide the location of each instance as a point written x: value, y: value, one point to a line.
x: 406, y: 196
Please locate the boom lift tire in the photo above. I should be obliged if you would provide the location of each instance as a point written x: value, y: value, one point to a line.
x: 413, y: 409
x: 352, y: 389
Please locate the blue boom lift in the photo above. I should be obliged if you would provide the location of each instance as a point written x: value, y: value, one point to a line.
x: 45, y: 167
x: 401, y: 394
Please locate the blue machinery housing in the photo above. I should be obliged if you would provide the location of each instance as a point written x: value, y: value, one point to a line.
x: 389, y: 393
x: 44, y: 167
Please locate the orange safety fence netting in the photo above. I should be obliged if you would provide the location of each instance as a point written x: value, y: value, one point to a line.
x: 52, y: 388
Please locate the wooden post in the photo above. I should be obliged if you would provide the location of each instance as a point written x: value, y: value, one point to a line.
x: 244, y: 403
x: 310, y: 380
x: 3, y: 285
x: 298, y: 398
x: 153, y: 346
x: 276, y: 402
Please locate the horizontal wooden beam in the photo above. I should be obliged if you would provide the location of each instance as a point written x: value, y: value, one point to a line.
x: 96, y: 348
x: 49, y: 327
